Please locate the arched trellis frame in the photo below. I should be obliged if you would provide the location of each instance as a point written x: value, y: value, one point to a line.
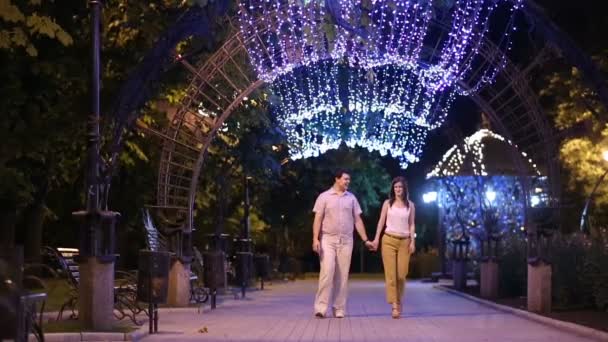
x: 218, y: 87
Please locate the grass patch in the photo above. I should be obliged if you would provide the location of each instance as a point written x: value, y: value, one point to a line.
x: 73, y: 325
x: 57, y: 291
x: 367, y: 276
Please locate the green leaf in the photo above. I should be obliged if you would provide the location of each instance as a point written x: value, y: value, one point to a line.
x: 134, y: 148
x: 19, y: 37
x: 10, y: 12
x: 5, y: 39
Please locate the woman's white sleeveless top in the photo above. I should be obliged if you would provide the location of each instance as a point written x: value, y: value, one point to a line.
x: 397, y: 221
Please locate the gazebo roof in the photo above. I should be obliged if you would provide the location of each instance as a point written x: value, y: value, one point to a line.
x: 484, y: 153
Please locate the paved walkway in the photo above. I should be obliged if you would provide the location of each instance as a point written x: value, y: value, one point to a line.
x: 283, y: 312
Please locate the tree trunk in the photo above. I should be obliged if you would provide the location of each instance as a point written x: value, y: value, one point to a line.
x: 8, y: 220
x: 221, y: 205
x: 34, y: 224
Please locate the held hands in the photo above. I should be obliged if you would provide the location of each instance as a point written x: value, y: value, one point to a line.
x: 372, y: 245
x: 376, y: 244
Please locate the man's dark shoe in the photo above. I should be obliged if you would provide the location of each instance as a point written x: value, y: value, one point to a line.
x: 319, y: 315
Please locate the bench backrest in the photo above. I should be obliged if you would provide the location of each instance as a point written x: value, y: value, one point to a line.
x: 63, y: 260
x: 71, y: 266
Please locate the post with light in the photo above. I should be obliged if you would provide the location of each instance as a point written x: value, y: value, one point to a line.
x: 585, y: 214
x: 96, y: 258
x: 489, y: 249
x: 429, y: 198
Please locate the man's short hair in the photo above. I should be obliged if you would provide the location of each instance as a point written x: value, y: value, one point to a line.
x: 339, y: 172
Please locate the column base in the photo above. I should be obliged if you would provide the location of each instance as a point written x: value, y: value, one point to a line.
x: 489, y: 279
x: 179, y: 284
x: 539, y: 287
x: 459, y: 272
x: 96, y: 294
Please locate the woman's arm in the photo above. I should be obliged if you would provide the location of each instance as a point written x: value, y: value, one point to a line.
x: 381, y: 222
x: 412, y: 224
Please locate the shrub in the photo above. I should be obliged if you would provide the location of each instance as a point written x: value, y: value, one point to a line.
x: 580, y: 269
x: 513, y: 266
x: 422, y: 264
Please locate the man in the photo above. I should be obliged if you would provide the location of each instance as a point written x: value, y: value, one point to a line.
x: 337, y: 211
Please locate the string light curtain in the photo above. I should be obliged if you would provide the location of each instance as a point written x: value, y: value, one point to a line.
x: 414, y: 54
x: 326, y: 104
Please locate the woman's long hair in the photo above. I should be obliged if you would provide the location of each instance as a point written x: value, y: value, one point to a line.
x: 406, y: 194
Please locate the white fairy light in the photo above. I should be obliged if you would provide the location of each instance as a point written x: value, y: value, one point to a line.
x: 315, y: 117
x: 473, y: 147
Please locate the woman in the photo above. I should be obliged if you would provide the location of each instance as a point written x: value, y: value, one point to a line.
x: 397, y: 223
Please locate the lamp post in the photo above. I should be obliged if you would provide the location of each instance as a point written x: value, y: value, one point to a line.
x: 489, y: 254
x: 584, y: 215
x: 432, y: 197
x: 96, y: 259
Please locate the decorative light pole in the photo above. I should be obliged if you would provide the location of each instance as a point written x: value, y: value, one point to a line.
x: 433, y: 197
x: 96, y: 259
x: 585, y: 214
x: 489, y: 267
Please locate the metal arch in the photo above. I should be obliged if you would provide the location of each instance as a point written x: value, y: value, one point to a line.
x: 514, y: 110
x: 189, y: 134
x: 213, y: 93
x: 199, y: 163
x: 511, y: 84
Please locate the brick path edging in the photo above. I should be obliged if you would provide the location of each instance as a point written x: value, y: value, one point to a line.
x: 94, y: 336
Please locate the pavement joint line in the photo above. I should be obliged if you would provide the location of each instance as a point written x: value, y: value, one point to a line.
x: 574, y: 328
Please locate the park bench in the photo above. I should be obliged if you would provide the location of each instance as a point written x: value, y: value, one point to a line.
x: 21, y: 319
x: 157, y: 240
x: 125, y: 289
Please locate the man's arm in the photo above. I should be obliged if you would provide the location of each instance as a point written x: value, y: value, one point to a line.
x: 361, y: 229
x: 359, y: 224
x: 319, y: 210
x: 316, y: 230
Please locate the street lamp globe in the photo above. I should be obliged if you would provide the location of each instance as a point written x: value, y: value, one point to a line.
x: 429, y: 197
x: 491, y: 195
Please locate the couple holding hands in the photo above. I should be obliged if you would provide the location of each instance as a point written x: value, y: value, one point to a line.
x: 337, y: 211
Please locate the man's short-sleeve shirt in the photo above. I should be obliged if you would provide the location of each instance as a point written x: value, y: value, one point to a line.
x: 339, y: 212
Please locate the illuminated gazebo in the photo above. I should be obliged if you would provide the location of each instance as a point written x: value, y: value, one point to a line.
x: 482, y: 187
